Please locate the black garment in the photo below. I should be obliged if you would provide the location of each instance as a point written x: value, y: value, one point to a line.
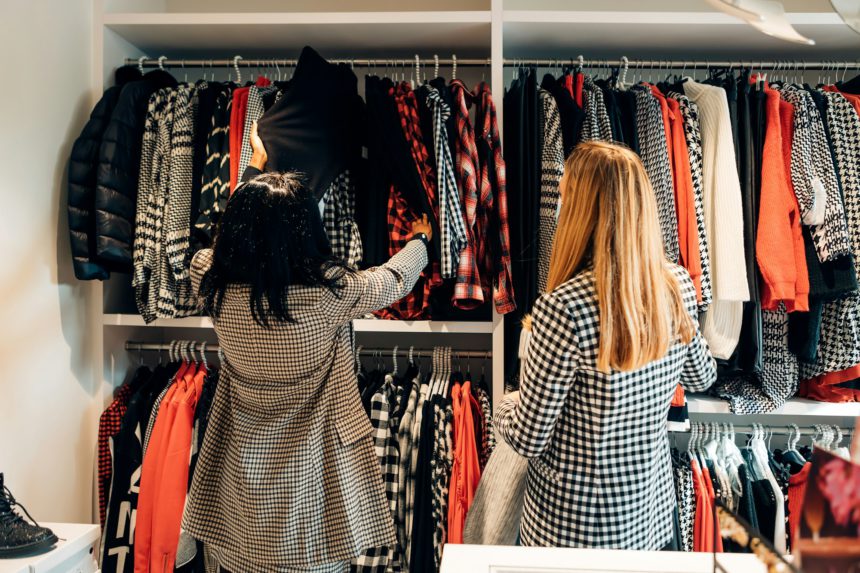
x: 570, y: 115
x: 765, y: 501
x: 627, y: 109
x: 747, y: 505
x: 119, y: 169
x: 312, y: 129
x: 207, y: 97
x: 522, y: 141
x: 613, y: 110
x: 422, y: 559
x: 117, y: 549
x: 83, y: 165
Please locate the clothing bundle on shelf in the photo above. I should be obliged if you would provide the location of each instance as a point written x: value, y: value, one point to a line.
x: 756, y: 187
x: 765, y: 487
x: 155, y: 166
x: 433, y: 432
x: 149, y: 437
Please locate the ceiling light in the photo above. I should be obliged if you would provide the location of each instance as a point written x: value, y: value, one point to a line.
x: 767, y: 16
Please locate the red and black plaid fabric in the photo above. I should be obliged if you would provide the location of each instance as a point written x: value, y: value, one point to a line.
x: 469, y: 292
x: 109, y: 425
x: 415, y: 305
x: 497, y: 259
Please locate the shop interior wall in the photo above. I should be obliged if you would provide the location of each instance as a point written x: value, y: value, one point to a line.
x: 49, y: 403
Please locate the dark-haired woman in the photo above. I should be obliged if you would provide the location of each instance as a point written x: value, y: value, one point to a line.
x: 287, y: 479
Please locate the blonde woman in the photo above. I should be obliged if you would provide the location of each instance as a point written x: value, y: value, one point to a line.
x: 612, y: 337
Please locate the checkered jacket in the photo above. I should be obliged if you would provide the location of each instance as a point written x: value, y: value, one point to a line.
x: 287, y: 475
x: 600, y: 473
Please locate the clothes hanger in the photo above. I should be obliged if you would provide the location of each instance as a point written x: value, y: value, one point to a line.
x: 236, y: 60
x: 203, y: 355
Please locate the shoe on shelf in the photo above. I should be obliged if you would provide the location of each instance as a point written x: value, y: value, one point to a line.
x: 19, y: 537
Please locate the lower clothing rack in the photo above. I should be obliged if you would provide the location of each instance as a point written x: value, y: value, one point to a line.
x: 133, y: 346
x: 776, y: 430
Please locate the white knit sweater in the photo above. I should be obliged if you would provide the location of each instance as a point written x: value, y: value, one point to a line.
x: 723, y: 219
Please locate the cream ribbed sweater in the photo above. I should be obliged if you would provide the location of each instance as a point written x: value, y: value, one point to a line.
x: 723, y: 219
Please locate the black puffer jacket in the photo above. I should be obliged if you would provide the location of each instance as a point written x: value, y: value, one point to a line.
x: 82, y: 189
x: 83, y: 163
x: 118, y: 170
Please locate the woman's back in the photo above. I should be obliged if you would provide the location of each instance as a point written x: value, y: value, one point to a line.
x: 600, y: 468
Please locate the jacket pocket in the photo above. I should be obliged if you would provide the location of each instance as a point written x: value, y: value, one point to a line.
x: 543, y: 469
x: 352, y: 425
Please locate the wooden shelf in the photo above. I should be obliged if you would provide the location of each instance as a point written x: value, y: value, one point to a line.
x: 334, y: 34
x: 370, y: 325
x: 698, y: 404
x: 641, y: 34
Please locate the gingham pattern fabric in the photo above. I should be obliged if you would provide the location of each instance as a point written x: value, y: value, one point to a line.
x: 150, y: 424
x: 811, y: 168
x: 552, y: 168
x: 839, y: 341
x: 383, y: 559
x: 287, y: 474
x: 405, y: 447
x: 174, y: 287
x: 471, y: 288
x: 149, y: 212
x: 253, y: 113
x: 109, y: 424
x: 409, y: 501
x: 693, y: 136
x: 655, y: 158
x: 686, y: 505
x: 596, y: 125
x: 443, y: 461
x: 600, y: 471
x: 492, y: 184
x: 216, y: 172
x: 339, y: 220
x: 488, y: 436
x: 779, y: 371
x: 452, y: 228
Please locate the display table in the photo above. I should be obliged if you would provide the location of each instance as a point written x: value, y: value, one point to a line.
x: 72, y: 554
x: 492, y: 559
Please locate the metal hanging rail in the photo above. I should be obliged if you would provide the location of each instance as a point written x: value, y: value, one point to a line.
x: 246, y: 63
x: 786, y: 65
x: 782, y: 65
x: 133, y: 346
x: 776, y: 430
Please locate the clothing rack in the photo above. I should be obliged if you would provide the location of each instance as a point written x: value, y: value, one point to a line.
x: 774, y: 430
x: 781, y: 65
x: 272, y: 62
x: 133, y: 346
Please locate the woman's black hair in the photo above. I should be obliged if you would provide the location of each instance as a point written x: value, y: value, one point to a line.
x: 269, y: 238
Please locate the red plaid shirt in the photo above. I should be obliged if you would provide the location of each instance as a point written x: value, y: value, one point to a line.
x: 469, y: 291
x: 415, y: 305
x: 109, y: 425
x: 496, y: 261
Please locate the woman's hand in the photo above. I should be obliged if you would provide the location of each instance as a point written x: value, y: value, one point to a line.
x: 259, y: 157
x: 422, y: 225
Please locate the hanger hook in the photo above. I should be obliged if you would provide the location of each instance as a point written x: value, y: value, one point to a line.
x: 161, y: 62
x: 236, y: 60
x: 140, y: 61
x: 454, y: 66
x: 203, y: 355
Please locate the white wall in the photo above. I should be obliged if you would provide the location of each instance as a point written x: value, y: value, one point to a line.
x: 49, y: 401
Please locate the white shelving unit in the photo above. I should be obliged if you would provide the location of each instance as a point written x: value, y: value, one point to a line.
x: 487, y: 28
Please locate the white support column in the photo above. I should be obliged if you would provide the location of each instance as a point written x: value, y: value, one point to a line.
x: 498, y: 87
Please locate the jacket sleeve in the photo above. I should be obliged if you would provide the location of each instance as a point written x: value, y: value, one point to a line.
x: 700, y: 369
x: 550, y: 370
x: 374, y: 289
x: 83, y: 163
x: 200, y: 265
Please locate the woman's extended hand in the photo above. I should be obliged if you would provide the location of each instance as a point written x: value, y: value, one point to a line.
x: 422, y: 225
x: 259, y: 157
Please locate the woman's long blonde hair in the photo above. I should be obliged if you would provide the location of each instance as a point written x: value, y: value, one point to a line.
x: 609, y: 218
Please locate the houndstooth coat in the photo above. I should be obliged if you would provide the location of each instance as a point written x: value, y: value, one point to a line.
x: 287, y: 475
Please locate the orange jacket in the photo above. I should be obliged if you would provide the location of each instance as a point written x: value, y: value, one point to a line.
x: 779, y: 243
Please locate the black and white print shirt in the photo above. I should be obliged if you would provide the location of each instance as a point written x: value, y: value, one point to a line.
x: 600, y: 471
x: 552, y: 168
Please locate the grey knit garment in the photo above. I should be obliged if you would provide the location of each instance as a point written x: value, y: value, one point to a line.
x: 494, y: 518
